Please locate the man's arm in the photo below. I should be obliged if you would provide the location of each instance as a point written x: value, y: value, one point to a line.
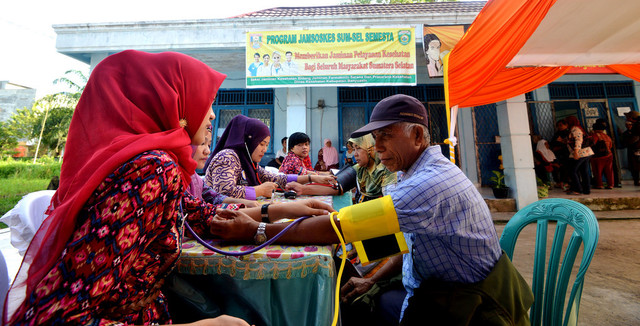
x: 240, y: 226
x: 356, y: 286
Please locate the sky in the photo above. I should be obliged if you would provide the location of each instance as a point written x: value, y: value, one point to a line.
x: 28, y: 54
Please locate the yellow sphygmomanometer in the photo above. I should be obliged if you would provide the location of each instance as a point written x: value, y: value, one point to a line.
x: 372, y: 227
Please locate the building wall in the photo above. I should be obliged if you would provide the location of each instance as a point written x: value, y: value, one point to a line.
x: 13, y: 99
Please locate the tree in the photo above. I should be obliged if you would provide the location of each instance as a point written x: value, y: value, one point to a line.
x: 53, y: 116
x: 8, y: 141
x: 47, y: 121
x: 77, y: 87
x: 60, y: 106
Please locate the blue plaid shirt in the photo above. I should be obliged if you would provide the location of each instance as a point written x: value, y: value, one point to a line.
x: 446, y: 222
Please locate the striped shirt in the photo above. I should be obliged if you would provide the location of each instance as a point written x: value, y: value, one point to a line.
x: 446, y: 222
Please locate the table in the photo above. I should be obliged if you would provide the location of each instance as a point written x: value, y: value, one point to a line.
x: 277, y: 285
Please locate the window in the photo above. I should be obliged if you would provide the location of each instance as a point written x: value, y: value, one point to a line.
x: 256, y: 103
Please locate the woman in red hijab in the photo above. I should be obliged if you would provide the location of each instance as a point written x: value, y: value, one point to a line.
x: 114, y: 229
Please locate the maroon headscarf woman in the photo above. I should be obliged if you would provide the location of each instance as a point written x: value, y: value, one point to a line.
x: 132, y: 103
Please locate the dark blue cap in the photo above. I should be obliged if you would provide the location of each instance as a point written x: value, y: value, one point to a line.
x: 395, y: 108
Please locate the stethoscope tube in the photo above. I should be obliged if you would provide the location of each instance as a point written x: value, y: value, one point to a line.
x: 241, y: 253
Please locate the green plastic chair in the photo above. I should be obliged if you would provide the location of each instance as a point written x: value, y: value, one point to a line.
x: 550, y: 290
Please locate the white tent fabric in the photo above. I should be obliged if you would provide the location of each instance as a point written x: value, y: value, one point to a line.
x: 584, y: 33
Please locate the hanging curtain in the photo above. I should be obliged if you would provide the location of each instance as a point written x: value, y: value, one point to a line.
x: 510, y: 82
x: 631, y: 71
x: 500, y: 30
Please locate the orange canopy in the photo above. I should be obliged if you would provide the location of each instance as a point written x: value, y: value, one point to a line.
x: 516, y: 46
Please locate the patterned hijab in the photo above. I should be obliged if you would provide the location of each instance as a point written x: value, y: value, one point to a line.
x: 133, y: 102
x: 242, y: 135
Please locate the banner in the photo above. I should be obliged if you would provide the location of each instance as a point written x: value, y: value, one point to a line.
x: 336, y: 57
x: 437, y: 42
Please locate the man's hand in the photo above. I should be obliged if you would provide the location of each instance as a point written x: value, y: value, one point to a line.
x: 301, y: 208
x: 233, y: 225
x: 355, y: 287
x: 297, y: 187
x: 324, y: 179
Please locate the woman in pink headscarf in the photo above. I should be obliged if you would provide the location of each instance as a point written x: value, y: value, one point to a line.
x: 327, y: 157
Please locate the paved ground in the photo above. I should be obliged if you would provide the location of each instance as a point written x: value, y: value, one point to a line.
x: 611, y: 294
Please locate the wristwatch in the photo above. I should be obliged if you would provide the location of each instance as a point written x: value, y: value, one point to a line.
x: 264, y: 213
x: 261, y: 236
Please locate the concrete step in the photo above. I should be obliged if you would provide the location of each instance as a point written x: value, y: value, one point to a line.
x: 626, y: 197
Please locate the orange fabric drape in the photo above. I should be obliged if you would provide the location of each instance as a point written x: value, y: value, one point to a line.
x: 510, y: 82
x: 631, y: 71
x: 495, y: 37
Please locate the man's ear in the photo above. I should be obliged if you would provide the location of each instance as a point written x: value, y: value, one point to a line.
x: 418, y: 133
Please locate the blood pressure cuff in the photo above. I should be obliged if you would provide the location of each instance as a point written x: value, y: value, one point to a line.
x: 373, y: 229
x: 346, y: 178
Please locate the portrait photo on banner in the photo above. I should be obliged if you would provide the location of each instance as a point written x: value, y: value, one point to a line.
x: 437, y: 42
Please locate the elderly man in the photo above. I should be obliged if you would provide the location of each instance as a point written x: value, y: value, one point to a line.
x: 455, y: 273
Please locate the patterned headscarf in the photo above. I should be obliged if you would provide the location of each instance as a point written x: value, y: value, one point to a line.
x: 242, y: 135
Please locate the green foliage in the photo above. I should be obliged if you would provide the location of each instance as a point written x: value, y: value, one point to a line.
x: 21, y: 124
x: 50, y: 117
x: 8, y: 141
x: 12, y: 190
x: 498, y: 179
x: 12, y: 169
x: 543, y: 188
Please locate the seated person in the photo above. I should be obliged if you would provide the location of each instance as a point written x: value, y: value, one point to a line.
x: 113, y: 231
x: 545, y: 162
x: 198, y: 189
x: 327, y: 157
x: 297, y: 160
x: 371, y: 175
x: 347, y: 156
x: 233, y: 168
x: 455, y: 272
x: 277, y: 161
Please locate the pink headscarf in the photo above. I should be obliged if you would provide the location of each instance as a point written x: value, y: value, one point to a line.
x: 329, y: 153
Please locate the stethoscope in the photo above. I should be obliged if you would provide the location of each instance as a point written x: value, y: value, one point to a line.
x: 239, y: 253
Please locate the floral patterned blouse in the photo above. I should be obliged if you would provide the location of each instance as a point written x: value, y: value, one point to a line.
x: 292, y: 164
x: 127, y: 239
x: 225, y: 175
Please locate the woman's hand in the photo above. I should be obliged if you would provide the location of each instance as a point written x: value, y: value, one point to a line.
x: 265, y: 189
x: 233, y: 225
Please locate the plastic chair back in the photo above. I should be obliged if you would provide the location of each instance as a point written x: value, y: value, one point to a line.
x: 550, y: 287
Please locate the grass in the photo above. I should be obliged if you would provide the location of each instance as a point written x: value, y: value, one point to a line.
x: 12, y: 190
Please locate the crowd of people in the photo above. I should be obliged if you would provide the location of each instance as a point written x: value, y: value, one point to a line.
x: 577, y: 161
x: 141, y: 129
